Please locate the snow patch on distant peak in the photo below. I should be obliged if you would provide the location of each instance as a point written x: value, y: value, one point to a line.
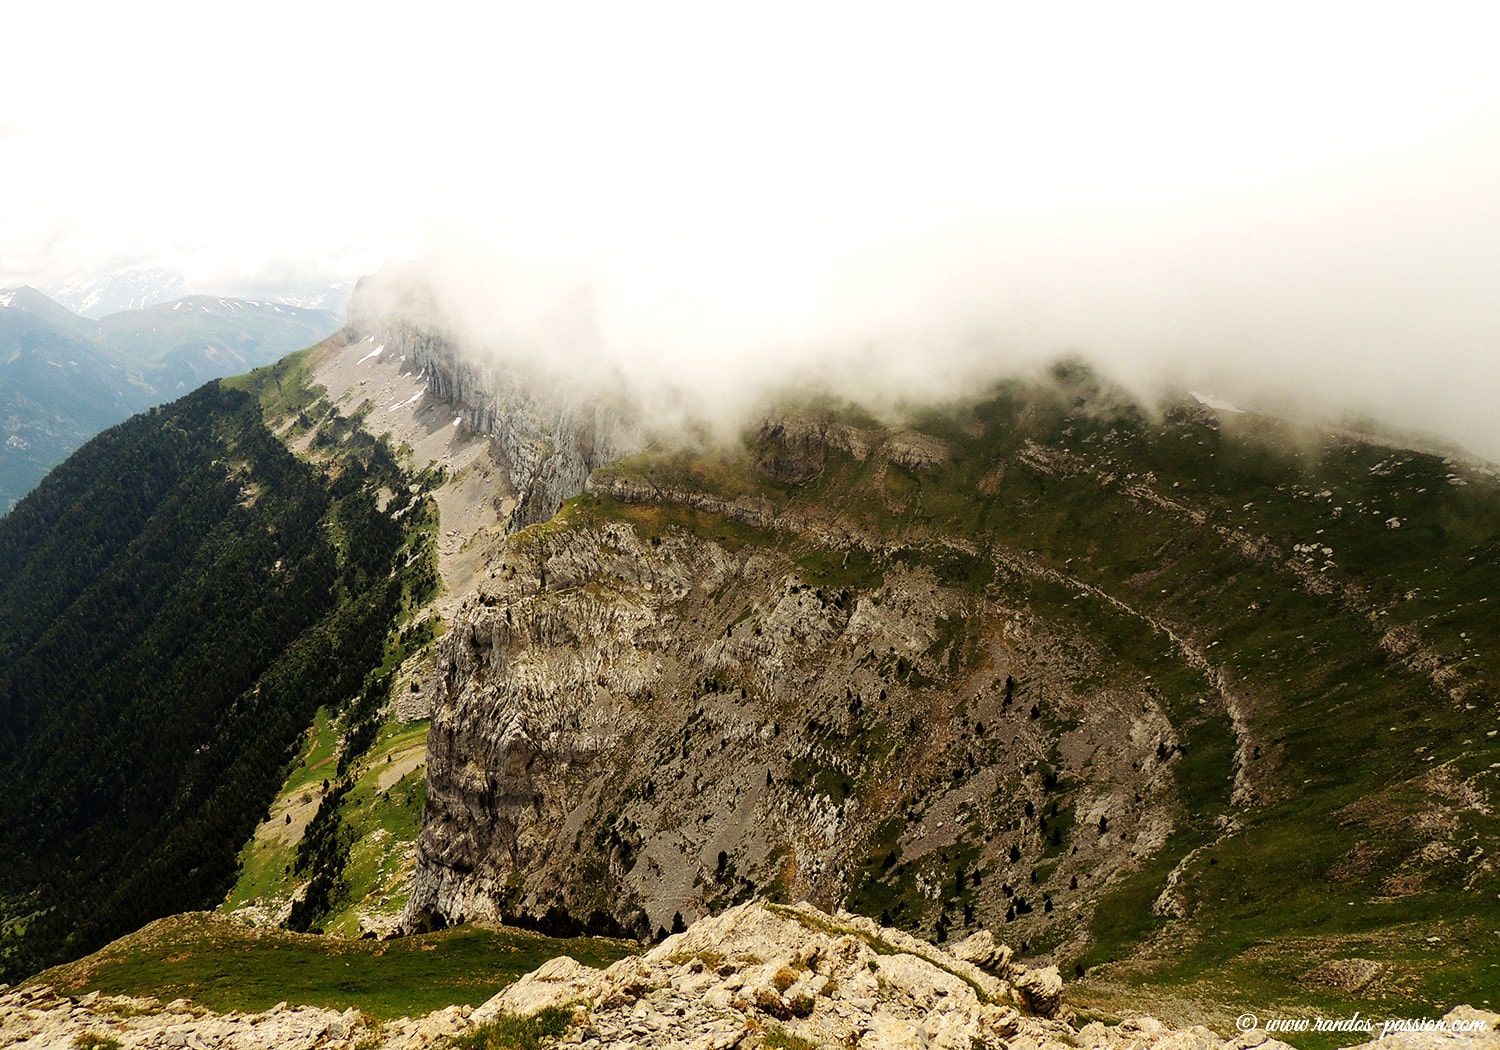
x: 1214, y: 403
x: 8, y: 297
x: 96, y: 295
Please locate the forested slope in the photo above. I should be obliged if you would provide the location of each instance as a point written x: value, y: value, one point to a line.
x: 176, y: 600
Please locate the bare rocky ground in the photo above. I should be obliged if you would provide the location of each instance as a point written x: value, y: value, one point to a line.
x: 476, y: 500
x: 755, y: 976
x: 35, y: 1017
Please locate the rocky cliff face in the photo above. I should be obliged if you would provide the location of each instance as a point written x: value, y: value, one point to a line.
x: 639, y: 722
x: 551, y: 432
x: 1032, y: 665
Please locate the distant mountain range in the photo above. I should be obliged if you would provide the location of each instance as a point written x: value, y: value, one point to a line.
x: 64, y: 377
x: 130, y: 290
x: 100, y: 296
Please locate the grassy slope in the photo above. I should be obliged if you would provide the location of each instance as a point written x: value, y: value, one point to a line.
x: 265, y: 859
x: 379, y: 825
x: 382, y: 824
x: 222, y: 965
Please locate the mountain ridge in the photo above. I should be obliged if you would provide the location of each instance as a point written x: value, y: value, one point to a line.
x: 1188, y: 702
x: 780, y: 482
x: 594, y: 632
x: 178, y: 597
x: 96, y: 296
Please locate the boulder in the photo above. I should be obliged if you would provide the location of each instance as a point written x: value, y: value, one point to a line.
x: 982, y: 951
x: 1040, y: 990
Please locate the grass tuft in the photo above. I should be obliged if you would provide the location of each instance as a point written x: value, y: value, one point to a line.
x: 516, y: 1033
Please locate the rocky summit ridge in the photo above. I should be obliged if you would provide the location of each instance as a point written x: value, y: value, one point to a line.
x: 756, y: 975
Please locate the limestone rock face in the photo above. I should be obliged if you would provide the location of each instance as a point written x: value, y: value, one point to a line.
x: 764, y: 972
x: 790, y: 450
x: 1462, y: 1028
x: 632, y: 724
x: 982, y: 950
x: 732, y: 979
x: 38, y: 1017
x: 794, y: 450
x: 1147, y: 1033
x: 551, y: 431
x: 852, y: 683
x: 556, y: 982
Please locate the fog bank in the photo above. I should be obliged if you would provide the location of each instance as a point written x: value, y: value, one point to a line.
x: 1287, y: 201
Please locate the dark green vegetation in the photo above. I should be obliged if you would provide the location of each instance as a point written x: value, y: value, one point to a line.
x: 1335, y: 605
x: 366, y: 843
x: 224, y: 966
x: 780, y: 1039
x: 64, y: 378
x: 516, y: 1033
x: 176, y: 601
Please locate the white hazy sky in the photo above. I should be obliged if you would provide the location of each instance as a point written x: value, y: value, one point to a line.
x: 1261, y: 198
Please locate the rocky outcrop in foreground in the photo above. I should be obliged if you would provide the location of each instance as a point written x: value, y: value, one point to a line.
x: 35, y: 1017
x: 739, y: 978
x: 756, y: 975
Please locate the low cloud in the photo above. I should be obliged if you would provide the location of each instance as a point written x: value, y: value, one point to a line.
x: 1298, y: 213
x: 1293, y: 204
x: 1345, y: 289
